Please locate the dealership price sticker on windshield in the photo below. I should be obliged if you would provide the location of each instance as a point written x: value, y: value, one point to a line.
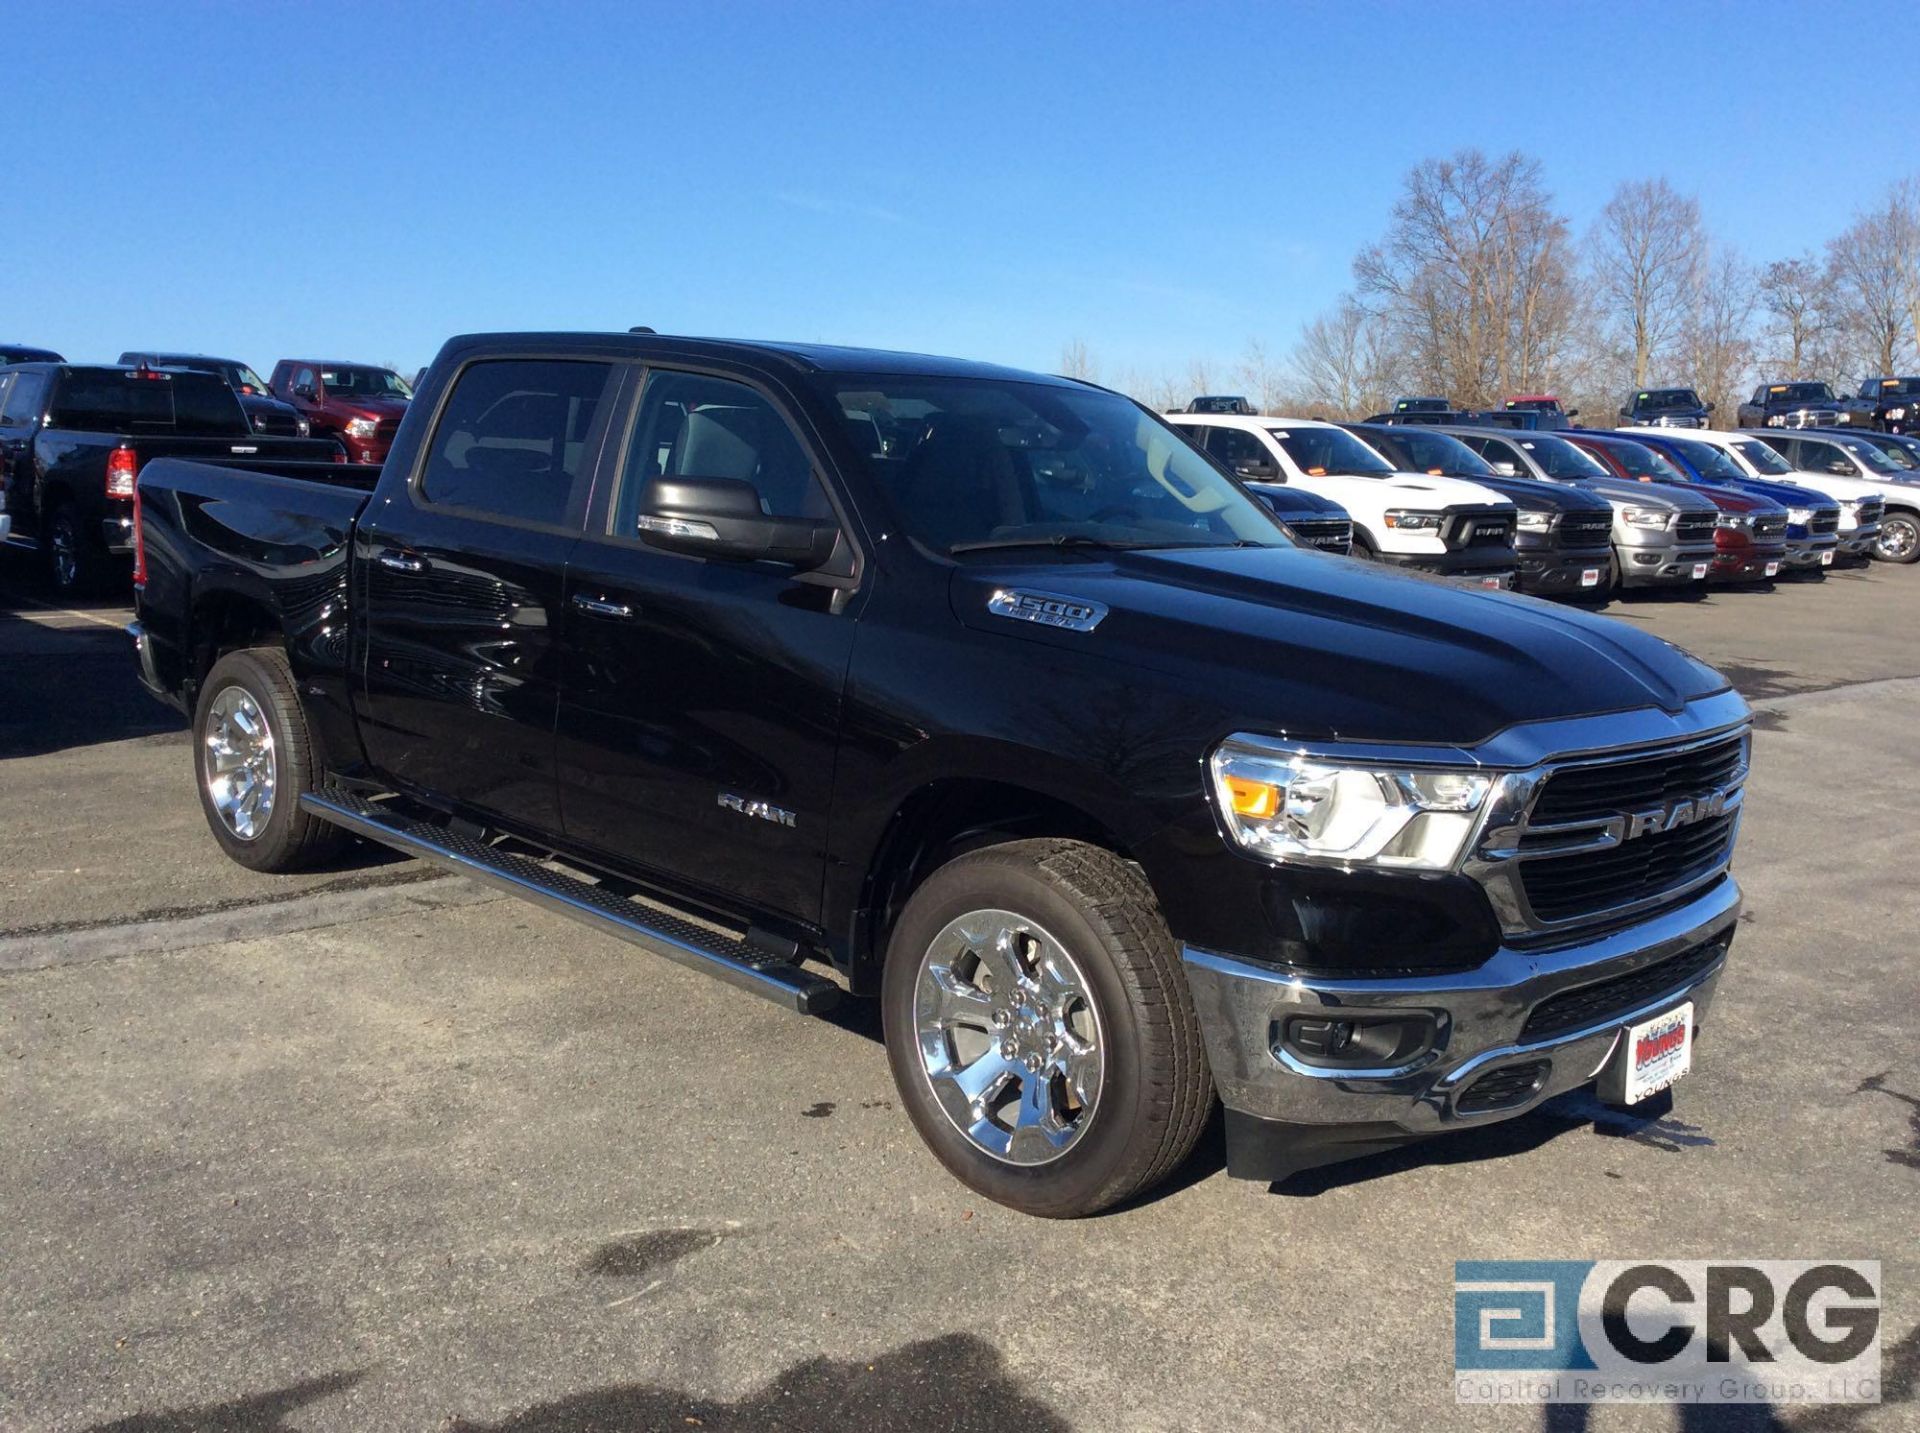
x: 1772, y: 1331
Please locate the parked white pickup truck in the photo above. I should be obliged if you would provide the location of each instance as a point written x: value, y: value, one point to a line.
x: 1441, y: 525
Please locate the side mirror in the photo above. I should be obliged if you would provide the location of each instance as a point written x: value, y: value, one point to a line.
x: 1573, y: 413
x: 1626, y: 413
x: 1707, y: 406
x: 304, y: 392
x: 721, y: 517
x: 1840, y: 468
x: 1506, y: 470
x: 1256, y: 470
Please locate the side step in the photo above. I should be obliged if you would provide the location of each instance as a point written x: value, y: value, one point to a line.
x: 659, y: 930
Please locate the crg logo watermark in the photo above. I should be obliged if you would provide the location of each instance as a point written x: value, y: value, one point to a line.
x: 1666, y: 1331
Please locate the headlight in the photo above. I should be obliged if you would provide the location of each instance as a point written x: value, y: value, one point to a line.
x: 1304, y: 809
x: 1799, y: 517
x: 1733, y: 519
x: 1776, y: 421
x: 1894, y: 415
x: 1646, y: 517
x: 1405, y: 521
x: 362, y: 427
x: 260, y: 422
x: 1536, y: 522
x: 304, y: 428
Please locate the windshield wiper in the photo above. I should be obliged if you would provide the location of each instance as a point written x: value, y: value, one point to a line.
x: 1054, y: 540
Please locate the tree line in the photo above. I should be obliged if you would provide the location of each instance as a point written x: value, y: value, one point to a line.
x: 1480, y: 289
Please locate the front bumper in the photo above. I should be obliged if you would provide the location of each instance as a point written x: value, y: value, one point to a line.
x: 1807, y: 553
x: 1857, y: 541
x: 1670, y: 566
x: 1286, y: 1114
x: 1548, y: 571
x: 1754, y: 562
x: 1470, y: 566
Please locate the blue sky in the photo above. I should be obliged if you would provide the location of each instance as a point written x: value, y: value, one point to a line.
x: 1162, y: 181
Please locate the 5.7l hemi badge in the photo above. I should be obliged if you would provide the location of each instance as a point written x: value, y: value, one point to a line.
x: 1047, y: 608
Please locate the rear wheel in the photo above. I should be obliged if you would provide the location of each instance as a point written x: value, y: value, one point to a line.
x: 253, y: 760
x: 73, y: 564
x: 1040, y: 1029
x: 1899, y: 539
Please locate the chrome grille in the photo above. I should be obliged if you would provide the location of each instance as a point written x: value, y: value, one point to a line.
x: 1327, y: 534
x: 1826, y: 520
x: 1583, y: 842
x: 1696, y: 526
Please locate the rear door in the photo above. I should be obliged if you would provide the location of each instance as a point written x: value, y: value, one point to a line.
x: 460, y: 573
x: 20, y: 408
x: 701, y: 707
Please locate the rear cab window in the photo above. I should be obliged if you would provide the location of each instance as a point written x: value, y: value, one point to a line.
x: 21, y: 403
x: 514, y: 440
x: 116, y: 400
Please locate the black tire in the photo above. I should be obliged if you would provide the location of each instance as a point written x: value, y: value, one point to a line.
x: 1155, y: 1091
x: 1899, y: 539
x: 74, y: 566
x: 1362, y: 546
x: 289, y: 839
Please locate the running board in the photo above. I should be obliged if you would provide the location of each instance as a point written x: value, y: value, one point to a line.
x: 659, y: 930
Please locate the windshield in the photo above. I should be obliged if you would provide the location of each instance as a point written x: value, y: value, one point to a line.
x: 364, y: 383
x: 1658, y: 399
x: 970, y: 464
x: 1766, y: 462
x: 1893, y: 452
x: 1646, y: 464
x: 1560, y: 459
x: 1868, y: 454
x: 1420, y: 450
x: 1900, y: 388
x: 1323, y: 452
x: 245, y: 379
x: 1799, y: 393
x: 1707, y: 460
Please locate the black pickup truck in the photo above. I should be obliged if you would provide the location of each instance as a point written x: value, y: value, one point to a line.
x: 1789, y: 405
x: 1887, y: 404
x: 833, y: 671
x: 73, y: 438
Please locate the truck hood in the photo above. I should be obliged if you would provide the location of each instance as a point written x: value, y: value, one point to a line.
x: 374, y: 408
x: 1402, y: 490
x: 1668, y: 497
x: 1533, y: 495
x: 1305, y: 644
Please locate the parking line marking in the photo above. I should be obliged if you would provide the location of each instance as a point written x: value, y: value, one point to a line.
x: 97, y: 620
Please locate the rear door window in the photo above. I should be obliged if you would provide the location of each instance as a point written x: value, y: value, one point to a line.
x: 513, y: 441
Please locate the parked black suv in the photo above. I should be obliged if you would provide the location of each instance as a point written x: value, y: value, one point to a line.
x: 990, y: 696
x: 1790, y: 405
x: 1889, y: 404
x: 1665, y: 408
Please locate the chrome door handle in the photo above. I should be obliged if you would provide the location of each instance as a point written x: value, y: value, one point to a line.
x: 402, y: 561
x: 600, y: 607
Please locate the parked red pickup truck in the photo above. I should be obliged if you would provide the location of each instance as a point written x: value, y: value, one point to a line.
x: 358, y: 403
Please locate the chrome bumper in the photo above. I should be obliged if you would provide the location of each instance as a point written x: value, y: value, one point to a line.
x: 1478, y: 1015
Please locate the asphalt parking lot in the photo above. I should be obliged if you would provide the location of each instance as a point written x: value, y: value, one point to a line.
x: 373, y: 1149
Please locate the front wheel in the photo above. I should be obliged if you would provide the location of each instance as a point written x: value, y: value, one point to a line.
x: 1040, y: 1029
x: 1899, y: 539
x: 253, y: 760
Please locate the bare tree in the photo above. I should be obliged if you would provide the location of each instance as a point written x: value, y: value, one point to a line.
x: 1905, y: 204
x: 1646, y: 250
x: 1870, y: 264
x: 1341, y: 362
x: 1076, y: 361
x: 1473, y: 277
x: 1716, y: 346
x: 1799, y: 331
x: 1262, y: 380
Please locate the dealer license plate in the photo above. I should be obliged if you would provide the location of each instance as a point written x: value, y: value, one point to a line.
x: 1658, y: 1052
x: 1699, y: 570
x: 1773, y: 569
x: 1589, y: 577
x: 1826, y: 558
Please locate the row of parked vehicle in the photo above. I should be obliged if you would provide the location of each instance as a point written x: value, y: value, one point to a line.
x: 1887, y: 403
x: 73, y: 437
x: 1577, y: 512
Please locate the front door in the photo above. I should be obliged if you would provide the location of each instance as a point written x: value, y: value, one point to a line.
x: 461, y: 576
x: 700, y: 707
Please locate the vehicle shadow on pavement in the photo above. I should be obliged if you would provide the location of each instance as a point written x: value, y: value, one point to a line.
x: 955, y: 1381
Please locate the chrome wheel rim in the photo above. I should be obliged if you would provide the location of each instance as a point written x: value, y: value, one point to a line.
x: 1897, y: 537
x: 1010, y: 1042
x: 238, y: 762
x: 66, y: 554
